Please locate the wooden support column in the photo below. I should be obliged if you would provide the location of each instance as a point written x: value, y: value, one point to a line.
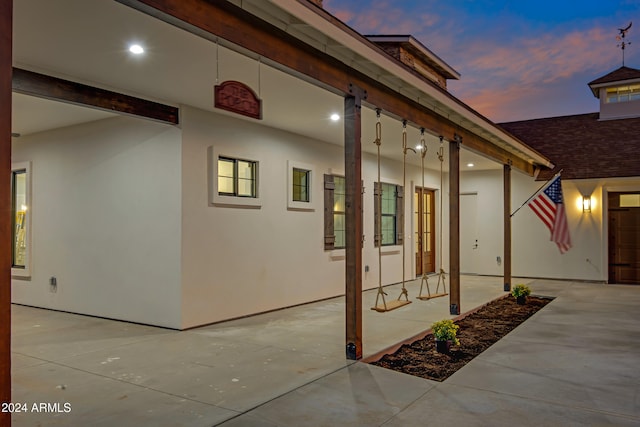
x: 454, y: 225
x: 353, y: 220
x: 6, y: 30
x: 507, y: 226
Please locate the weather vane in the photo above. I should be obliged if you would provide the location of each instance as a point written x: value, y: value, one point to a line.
x: 622, y: 32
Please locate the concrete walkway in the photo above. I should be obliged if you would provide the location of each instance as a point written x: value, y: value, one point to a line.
x: 573, y: 363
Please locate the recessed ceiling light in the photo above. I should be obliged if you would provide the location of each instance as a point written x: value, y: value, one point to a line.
x: 419, y: 147
x: 136, y: 49
x: 335, y: 117
x: 470, y: 165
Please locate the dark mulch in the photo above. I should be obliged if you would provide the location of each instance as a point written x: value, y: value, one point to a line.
x: 478, y: 331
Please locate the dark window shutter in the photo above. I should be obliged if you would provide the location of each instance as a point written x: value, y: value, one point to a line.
x: 329, y: 236
x: 399, y: 214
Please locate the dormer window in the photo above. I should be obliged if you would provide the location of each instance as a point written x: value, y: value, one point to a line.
x: 623, y: 93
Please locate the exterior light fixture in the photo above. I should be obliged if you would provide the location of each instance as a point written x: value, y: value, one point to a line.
x: 586, y: 204
x: 136, y: 49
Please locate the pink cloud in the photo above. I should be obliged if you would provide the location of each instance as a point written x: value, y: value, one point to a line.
x: 502, y: 79
x: 382, y: 17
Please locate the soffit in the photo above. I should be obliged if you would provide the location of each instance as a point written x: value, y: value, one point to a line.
x: 327, y: 34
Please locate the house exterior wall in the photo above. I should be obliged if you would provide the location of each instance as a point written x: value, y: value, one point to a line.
x: 105, y: 220
x: 239, y: 261
x: 533, y: 254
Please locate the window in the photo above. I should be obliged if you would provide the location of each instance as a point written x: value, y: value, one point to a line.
x: 629, y: 200
x: 389, y: 214
x: 623, y: 93
x: 233, y: 179
x: 237, y: 177
x: 334, y: 212
x: 300, y: 185
x: 21, y: 219
x: 339, y: 199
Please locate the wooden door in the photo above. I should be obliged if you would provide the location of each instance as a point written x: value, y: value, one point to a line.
x: 624, y: 238
x: 424, y: 225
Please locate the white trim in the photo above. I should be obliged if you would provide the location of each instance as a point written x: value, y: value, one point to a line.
x: 296, y: 205
x: 216, y: 199
x: 24, y: 273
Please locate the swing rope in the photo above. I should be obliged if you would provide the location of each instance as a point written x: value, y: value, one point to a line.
x: 404, y: 185
x: 425, y: 279
x: 441, y: 274
x: 392, y: 305
x: 378, y: 231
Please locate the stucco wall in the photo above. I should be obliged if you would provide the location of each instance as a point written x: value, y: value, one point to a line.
x: 238, y: 261
x: 534, y: 255
x: 105, y: 220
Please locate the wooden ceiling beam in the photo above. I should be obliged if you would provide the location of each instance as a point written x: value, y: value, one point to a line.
x: 48, y: 87
x: 216, y: 19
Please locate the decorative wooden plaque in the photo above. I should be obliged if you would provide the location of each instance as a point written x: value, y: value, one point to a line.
x: 238, y: 98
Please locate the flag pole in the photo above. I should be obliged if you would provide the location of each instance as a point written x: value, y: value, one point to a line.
x: 538, y: 191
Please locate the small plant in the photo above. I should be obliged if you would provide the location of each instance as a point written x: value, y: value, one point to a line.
x: 445, y: 330
x: 521, y: 291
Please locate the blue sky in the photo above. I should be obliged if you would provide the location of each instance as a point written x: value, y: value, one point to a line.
x: 518, y: 59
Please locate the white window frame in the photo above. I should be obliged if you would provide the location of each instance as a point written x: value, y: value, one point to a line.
x: 217, y: 199
x: 298, y: 205
x: 19, y: 272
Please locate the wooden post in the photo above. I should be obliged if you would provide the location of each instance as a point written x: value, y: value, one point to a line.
x: 507, y: 226
x: 6, y: 30
x: 353, y: 220
x: 454, y: 225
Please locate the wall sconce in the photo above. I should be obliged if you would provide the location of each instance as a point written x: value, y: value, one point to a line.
x: 586, y: 204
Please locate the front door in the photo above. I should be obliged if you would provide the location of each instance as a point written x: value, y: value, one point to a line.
x: 424, y: 220
x: 624, y: 238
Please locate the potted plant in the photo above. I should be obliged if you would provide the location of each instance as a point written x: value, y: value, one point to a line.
x: 520, y: 293
x: 444, y: 333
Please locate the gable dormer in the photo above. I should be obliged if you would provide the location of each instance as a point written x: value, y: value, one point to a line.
x: 619, y: 93
x: 413, y: 54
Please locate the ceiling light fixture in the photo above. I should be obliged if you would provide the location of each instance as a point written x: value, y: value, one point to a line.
x: 136, y: 49
x: 335, y: 117
x: 470, y: 165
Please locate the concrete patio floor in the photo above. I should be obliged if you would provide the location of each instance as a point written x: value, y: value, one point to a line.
x: 573, y: 363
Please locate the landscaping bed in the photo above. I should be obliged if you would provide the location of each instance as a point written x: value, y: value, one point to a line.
x: 478, y: 331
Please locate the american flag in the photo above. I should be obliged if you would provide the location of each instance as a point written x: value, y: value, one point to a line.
x: 549, y: 206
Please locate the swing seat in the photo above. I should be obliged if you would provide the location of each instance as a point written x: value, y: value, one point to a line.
x: 428, y: 297
x: 391, y: 305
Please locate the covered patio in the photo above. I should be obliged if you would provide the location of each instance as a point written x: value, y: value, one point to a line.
x: 564, y: 366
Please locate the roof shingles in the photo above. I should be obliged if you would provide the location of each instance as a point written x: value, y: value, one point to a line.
x: 583, y: 146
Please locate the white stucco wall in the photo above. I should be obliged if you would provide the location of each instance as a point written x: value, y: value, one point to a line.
x: 238, y: 261
x: 534, y: 255
x: 105, y: 220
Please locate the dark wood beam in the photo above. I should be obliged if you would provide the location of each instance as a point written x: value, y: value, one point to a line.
x: 215, y: 19
x: 353, y: 222
x: 507, y: 227
x: 454, y: 226
x: 6, y: 29
x: 48, y: 87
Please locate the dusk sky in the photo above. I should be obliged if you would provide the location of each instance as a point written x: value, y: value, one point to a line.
x: 518, y: 60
